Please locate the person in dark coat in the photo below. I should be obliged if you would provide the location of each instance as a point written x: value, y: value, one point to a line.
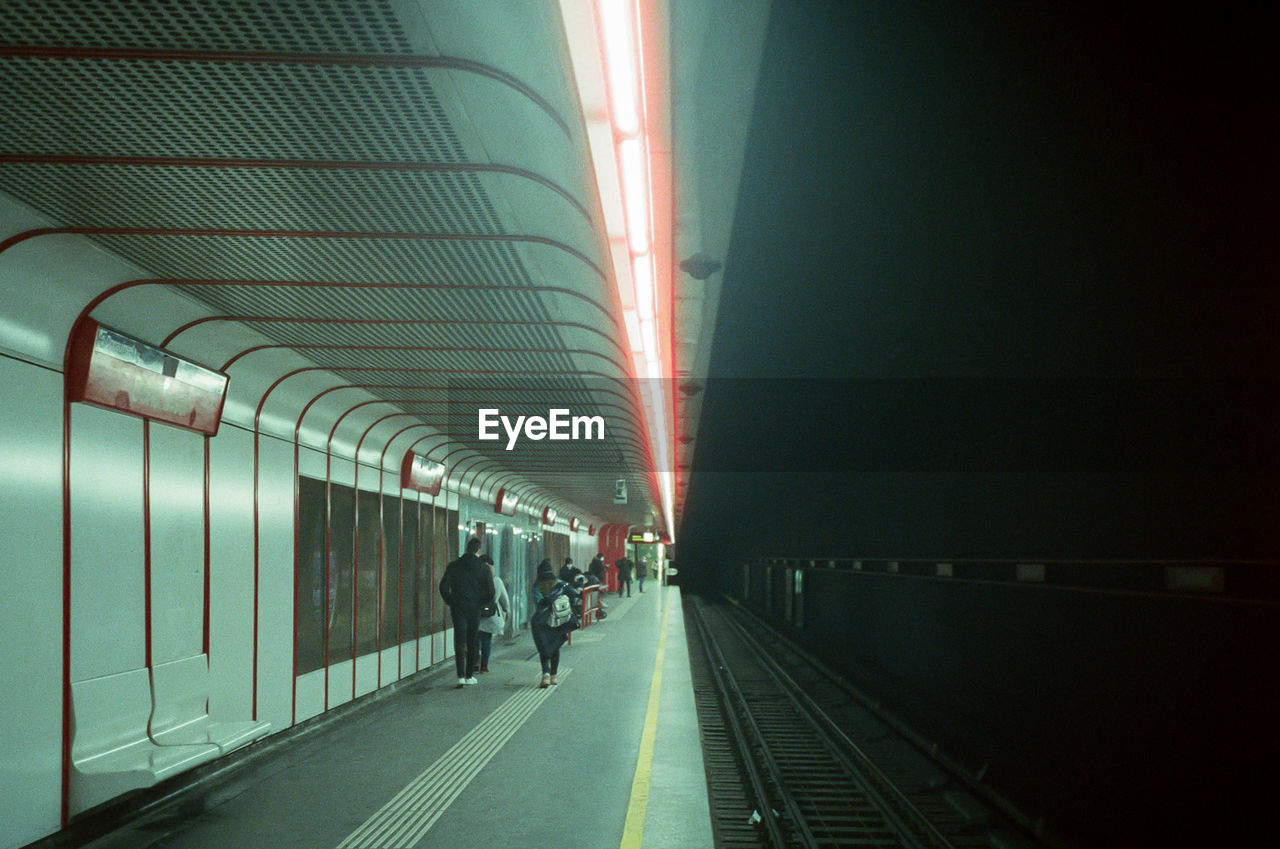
x: 570, y: 574
x: 624, y: 567
x: 549, y: 640
x: 467, y: 586
x: 596, y: 567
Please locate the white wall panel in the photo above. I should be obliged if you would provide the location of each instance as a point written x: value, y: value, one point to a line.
x: 231, y: 573
x: 275, y: 582
x: 339, y: 683
x: 107, y: 594
x: 310, y: 694
x: 366, y: 674
x: 177, y: 543
x: 31, y: 605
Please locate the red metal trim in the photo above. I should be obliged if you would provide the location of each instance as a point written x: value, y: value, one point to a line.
x: 382, y: 529
x: 358, y: 60
x: 146, y: 545
x: 417, y: 387
x: 208, y: 552
x: 65, y: 794
x: 395, y: 322
x: 443, y: 349
x: 328, y: 568
x: 226, y: 232
x: 355, y: 576
x: 297, y: 518
x: 292, y: 165
x: 327, y: 284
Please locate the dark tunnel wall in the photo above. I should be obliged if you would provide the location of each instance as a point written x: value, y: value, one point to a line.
x: 1124, y: 719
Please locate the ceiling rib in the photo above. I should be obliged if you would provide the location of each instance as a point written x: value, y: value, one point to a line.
x: 393, y: 236
x: 295, y: 164
x: 351, y: 60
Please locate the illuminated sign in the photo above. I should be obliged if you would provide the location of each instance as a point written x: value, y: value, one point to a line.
x: 420, y: 474
x: 506, y: 502
x: 548, y: 516
x: 642, y: 537
x: 112, y: 370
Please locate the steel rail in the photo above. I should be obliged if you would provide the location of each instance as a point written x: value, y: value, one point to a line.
x: 890, y: 798
x: 733, y: 701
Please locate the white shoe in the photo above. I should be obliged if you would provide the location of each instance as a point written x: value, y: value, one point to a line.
x: 546, y: 681
x: 470, y: 681
x: 462, y: 681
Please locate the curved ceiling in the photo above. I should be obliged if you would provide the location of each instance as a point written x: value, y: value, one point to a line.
x: 368, y: 213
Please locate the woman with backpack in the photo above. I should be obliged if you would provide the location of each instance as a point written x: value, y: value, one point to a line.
x: 552, y: 620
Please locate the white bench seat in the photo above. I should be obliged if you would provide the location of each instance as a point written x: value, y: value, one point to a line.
x: 180, y: 690
x: 111, y: 752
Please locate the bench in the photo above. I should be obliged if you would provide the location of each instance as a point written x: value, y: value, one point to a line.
x: 180, y: 693
x: 111, y: 752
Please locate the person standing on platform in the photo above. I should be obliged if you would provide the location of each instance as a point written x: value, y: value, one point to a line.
x: 495, y: 622
x: 548, y: 638
x: 596, y: 567
x: 624, y: 567
x: 642, y: 571
x: 467, y: 586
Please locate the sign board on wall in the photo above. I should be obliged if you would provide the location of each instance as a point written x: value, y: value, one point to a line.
x: 420, y: 474
x: 112, y: 370
x: 505, y: 503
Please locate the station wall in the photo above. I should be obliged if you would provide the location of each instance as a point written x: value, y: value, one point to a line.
x: 137, y: 507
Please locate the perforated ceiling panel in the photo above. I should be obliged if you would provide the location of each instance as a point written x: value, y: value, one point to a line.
x: 301, y: 143
x: 347, y: 26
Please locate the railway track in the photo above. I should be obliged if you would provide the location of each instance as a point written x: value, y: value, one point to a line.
x: 784, y: 770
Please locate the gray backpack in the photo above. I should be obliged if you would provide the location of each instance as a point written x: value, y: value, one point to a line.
x: 561, y: 610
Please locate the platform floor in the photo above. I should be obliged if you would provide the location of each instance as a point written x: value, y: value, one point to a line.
x: 611, y: 756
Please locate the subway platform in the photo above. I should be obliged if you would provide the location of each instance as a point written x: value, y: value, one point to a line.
x: 610, y: 756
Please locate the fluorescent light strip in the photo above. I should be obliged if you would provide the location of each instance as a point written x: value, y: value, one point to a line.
x: 649, y: 339
x: 642, y: 268
x: 632, y: 322
x: 623, y: 62
x: 635, y: 192
x: 605, y: 48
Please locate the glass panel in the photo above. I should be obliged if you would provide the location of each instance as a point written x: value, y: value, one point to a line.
x: 368, y: 563
x: 390, y: 583
x: 309, y: 561
x: 341, y: 550
x: 409, y: 555
x: 426, y: 601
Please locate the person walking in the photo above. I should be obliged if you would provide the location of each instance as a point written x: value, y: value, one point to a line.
x: 467, y: 586
x: 624, y: 567
x: 642, y: 570
x: 549, y: 637
x: 496, y: 622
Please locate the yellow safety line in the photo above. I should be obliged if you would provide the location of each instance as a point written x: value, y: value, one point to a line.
x: 633, y: 830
